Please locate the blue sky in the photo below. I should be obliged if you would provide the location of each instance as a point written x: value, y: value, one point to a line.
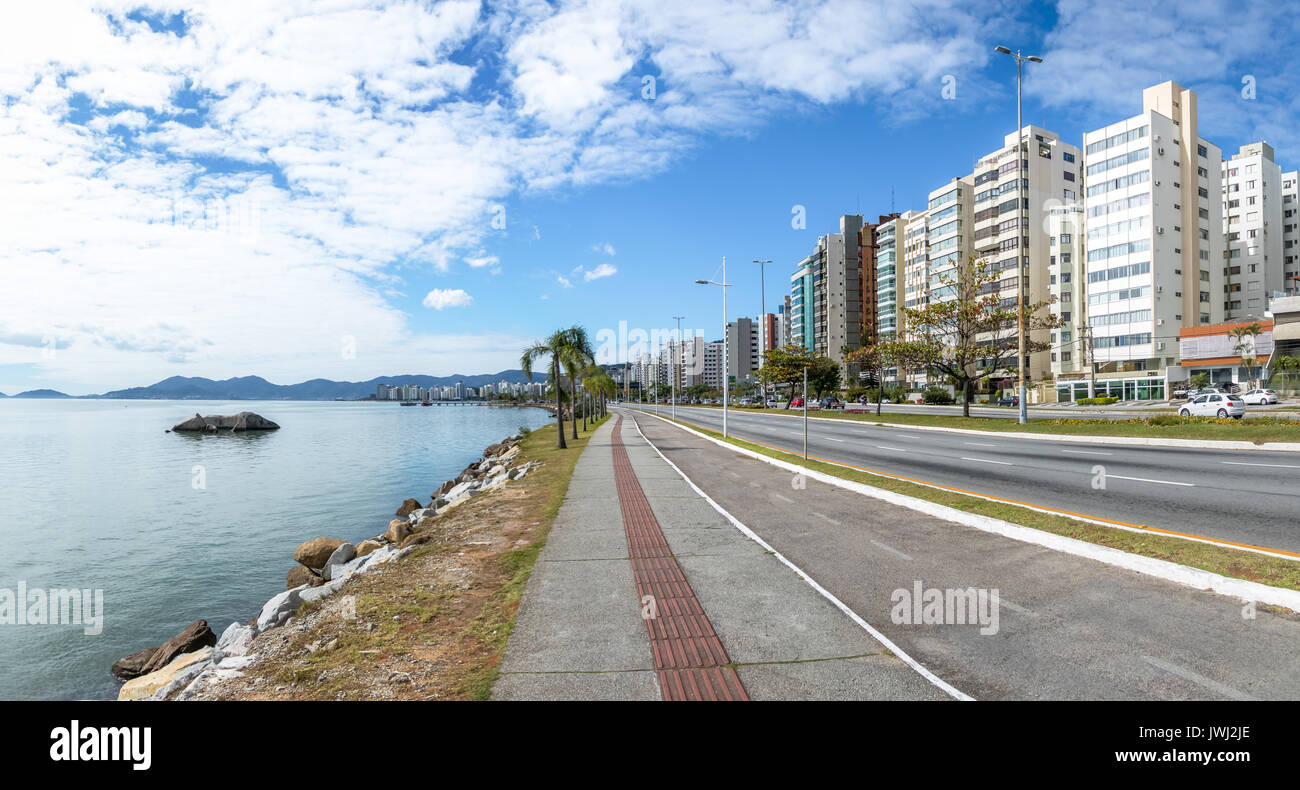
x: 387, y: 187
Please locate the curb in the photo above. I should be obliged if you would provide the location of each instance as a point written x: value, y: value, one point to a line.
x: 1246, y: 591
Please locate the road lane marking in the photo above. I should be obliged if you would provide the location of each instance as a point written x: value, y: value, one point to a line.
x: 890, y: 549
x: 1200, y: 680
x: 783, y: 498
x: 889, y: 644
x: 833, y: 439
x: 887, y: 447
x: 1102, y: 520
x: 979, y: 444
x: 1086, y: 452
x: 1149, y: 480
x: 905, y: 436
x: 825, y: 517
x: 1275, y: 466
x: 987, y: 461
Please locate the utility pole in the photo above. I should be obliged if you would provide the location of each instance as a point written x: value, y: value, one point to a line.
x: 805, y: 413
x: 762, y: 317
x: 679, y: 335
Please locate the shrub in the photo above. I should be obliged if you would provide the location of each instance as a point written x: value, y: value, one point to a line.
x: 1105, y: 400
x: 937, y: 395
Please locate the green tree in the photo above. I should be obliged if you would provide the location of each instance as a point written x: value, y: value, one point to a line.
x: 970, y: 335
x: 575, y: 355
x: 785, y: 366
x: 600, y: 386
x: 875, y: 358
x: 1245, y: 337
x: 556, y: 348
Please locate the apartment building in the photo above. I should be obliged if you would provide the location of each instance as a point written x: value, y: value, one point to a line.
x: 742, y: 349
x: 1253, y: 231
x: 1291, y: 233
x: 826, y: 293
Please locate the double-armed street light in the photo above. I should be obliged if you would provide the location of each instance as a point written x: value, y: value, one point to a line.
x: 726, y: 391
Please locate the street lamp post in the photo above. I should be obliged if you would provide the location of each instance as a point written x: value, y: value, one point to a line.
x: 1020, y: 230
x: 724, y: 285
x: 762, y: 319
x: 678, y: 318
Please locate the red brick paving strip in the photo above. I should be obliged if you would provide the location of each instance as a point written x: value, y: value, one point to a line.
x: 689, y: 658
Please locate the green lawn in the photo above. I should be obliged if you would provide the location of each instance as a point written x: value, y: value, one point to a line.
x: 1169, y: 426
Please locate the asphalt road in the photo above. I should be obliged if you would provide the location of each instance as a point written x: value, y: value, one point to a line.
x: 1241, y: 496
x: 1069, y: 628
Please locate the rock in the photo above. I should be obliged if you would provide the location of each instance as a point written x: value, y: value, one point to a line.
x: 315, y: 552
x: 464, y: 489
x: 417, y: 516
x: 509, y: 455
x: 494, y: 482
x: 196, y: 635
x: 283, y: 604
x: 515, y: 474
x: 234, y: 641
x: 244, y: 421
x: 168, y: 677
x: 406, y: 508
x: 367, y: 546
x: 132, y: 666
x: 299, y: 575
x: 444, y: 488
x: 398, y: 529
x: 495, y: 449
x: 341, y: 557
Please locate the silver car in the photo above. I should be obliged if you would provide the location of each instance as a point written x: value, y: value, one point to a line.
x: 1216, y: 404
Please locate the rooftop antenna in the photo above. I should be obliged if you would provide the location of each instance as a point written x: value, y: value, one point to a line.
x: 891, y: 198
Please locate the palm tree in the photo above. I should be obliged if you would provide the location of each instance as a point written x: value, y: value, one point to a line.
x: 555, y: 347
x: 575, y: 354
x: 600, y: 385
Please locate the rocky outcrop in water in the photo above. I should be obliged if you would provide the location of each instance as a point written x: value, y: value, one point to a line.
x: 212, y: 423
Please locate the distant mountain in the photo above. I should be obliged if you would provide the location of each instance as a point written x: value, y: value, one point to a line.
x: 258, y: 388
x: 42, y: 394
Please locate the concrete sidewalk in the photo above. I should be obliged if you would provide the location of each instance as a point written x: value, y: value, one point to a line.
x: 580, y: 634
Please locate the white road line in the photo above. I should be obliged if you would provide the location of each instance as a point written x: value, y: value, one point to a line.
x: 1276, y: 466
x: 833, y: 439
x: 987, y: 461
x: 887, y: 447
x: 1022, y: 610
x: 1085, y: 452
x: 1149, y: 480
x: 906, y: 436
x: 890, y: 549
x: 979, y: 444
x: 1200, y: 680
x: 783, y: 498
x: 920, y: 668
x: 825, y: 517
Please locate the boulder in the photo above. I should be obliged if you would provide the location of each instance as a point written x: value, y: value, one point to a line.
x: 496, y: 470
x: 509, y: 455
x: 494, y: 482
x: 234, y: 641
x: 444, y: 488
x: 167, y: 677
x: 132, y: 666
x: 417, y: 516
x: 341, y: 557
x: 406, y: 508
x: 495, y: 449
x: 196, y: 635
x: 464, y: 489
x: 315, y: 552
x: 398, y: 529
x: 367, y: 546
x: 279, y: 607
x: 244, y: 421
x: 299, y: 575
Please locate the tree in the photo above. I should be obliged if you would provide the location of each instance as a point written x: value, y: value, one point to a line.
x: 600, y: 386
x: 785, y: 366
x: 970, y: 335
x: 1245, y: 337
x: 553, y: 347
x: 575, y: 356
x: 823, y: 376
x: 874, y: 358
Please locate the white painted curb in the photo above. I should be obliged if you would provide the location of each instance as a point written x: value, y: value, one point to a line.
x: 1137, y: 441
x: 1169, y: 571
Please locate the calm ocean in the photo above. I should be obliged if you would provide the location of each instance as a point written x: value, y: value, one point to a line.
x: 173, y: 527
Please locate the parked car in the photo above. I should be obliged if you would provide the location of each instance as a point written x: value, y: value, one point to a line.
x: 1179, y: 393
x: 1214, y: 404
x: 1259, y: 397
x: 832, y: 403
x: 796, y: 403
x: 1010, y: 400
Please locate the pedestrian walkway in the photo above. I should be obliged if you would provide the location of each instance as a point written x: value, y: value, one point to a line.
x: 644, y: 591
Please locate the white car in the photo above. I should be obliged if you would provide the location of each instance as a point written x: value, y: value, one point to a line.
x: 1260, y: 397
x: 1216, y: 404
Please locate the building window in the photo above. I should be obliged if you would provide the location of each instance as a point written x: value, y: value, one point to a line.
x: 1202, y: 151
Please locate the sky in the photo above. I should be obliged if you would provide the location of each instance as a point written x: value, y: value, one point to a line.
x: 347, y: 189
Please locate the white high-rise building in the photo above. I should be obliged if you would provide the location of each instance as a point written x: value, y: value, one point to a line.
x: 1291, y: 232
x: 1154, y: 247
x: 1253, y: 228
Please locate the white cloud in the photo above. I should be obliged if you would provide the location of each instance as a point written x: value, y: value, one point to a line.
x: 439, y: 298
x: 603, y: 270
x: 605, y: 248
x: 562, y: 280
x: 486, y: 260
